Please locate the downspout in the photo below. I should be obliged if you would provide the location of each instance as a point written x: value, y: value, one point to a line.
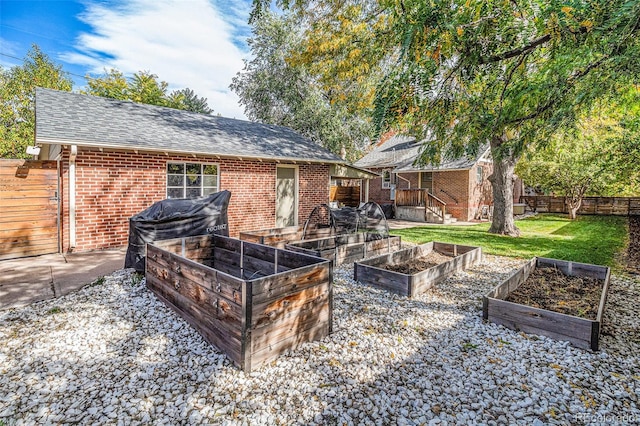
x: 366, y: 190
x: 72, y: 195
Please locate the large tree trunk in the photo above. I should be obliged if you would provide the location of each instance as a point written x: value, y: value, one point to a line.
x: 502, y: 180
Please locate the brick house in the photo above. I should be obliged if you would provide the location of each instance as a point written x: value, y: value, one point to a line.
x: 459, y: 186
x: 115, y: 158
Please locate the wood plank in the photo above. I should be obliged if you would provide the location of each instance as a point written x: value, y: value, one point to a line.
x: 380, y: 278
x: 574, y: 269
x: 207, y: 328
x: 223, y: 284
x: 289, y: 325
x: 27, y: 193
x: 214, y: 304
x: 226, y: 243
x: 26, y: 251
x: 35, y: 233
x: 280, y: 285
x: 541, y: 318
x: 8, y: 185
x: 36, y: 203
x: 265, y: 312
x: 539, y: 321
x: 271, y: 352
x: 226, y: 329
x: 12, y: 215
x: 26, y: 225
x: 12, y: 244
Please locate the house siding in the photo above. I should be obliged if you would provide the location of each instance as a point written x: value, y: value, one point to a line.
x: 112, y: 186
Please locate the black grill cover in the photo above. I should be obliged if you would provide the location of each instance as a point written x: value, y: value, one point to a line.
x: 175, y: 218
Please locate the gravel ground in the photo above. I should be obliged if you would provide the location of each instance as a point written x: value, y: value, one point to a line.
x: 113, y: 354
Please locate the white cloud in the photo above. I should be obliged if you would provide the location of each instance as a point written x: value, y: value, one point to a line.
x: 186, y: 43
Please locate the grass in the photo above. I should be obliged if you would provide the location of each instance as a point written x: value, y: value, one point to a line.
x: 589, y: 239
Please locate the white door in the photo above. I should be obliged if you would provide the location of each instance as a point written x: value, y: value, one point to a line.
x: 286, y: 196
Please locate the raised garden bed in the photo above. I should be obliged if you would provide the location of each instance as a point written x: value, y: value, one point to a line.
x: 414, y: 270
x: 278, y: 237
x: 581, y: 327
x: 347, y: 248
x: 251, y: 301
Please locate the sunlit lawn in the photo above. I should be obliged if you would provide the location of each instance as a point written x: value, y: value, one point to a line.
x: 588, y: 239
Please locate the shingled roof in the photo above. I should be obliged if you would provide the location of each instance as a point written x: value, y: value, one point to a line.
x: 399, y: 153
x: 83, y: 120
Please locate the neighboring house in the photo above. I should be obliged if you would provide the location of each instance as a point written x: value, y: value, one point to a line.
x: 115, y: 158
x: 460, y: 186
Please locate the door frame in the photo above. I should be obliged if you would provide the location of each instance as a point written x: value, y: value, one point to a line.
x: 295, y: 195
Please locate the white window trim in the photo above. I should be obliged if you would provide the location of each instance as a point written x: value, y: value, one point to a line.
x: 184, y: 183
x: 387, y: 184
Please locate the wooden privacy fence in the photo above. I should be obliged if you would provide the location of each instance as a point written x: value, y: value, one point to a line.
x: 619, y: 206
x: 28, y: 208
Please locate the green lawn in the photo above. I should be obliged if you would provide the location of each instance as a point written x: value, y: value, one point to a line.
x: 588, y: 239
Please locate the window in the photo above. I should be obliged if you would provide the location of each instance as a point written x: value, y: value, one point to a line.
x: 479, y: 174
x: 386, y: 179
x: 426, y: 181
x: 190, y: 180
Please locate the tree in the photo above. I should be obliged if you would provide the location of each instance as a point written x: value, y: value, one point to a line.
x: 187, y: 99
x: 275, y: 90
x: 144, y: 87
x: 112, y: 84
x: 596, y: 158
x: 506, y: 72
x: 17, y: 99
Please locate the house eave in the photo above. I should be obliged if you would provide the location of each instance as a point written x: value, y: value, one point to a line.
x: 47, y: 141
x: 460, y: 169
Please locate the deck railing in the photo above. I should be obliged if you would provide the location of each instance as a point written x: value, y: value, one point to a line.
x: 421, y: 198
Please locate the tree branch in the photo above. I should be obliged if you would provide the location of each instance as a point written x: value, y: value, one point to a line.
x: 551, y: 103
x: 532, y: 45
x: 516, y: 52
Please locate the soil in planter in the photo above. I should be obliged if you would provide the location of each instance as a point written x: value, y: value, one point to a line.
x: 548, y: 288
x: 419, y: 264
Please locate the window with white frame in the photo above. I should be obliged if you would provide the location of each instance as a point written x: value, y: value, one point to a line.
x: 479, y: 174
x: 191, y: 180
x: 386, y: 179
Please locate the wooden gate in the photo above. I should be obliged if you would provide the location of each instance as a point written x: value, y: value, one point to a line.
x: 28, y: 208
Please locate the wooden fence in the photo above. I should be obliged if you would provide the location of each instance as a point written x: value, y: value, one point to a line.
x: 28, y: 208
x: 618, y: 206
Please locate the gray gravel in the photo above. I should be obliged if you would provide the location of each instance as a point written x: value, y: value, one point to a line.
x: 112, y: 354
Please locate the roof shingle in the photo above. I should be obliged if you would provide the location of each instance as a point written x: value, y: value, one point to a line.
x: 400, y: 152
x: 71, y: 118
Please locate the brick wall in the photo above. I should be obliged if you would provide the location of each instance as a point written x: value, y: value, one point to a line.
x: 479, y: 193
x: 452, y: 187
x: 313, y: 189
x: 376, y: 192
x: 112, y: 186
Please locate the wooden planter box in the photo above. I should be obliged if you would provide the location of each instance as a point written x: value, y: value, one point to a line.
x: 346, y: 248
x: 251, y: 301
x: 278, y: 237
x: 581, y: 332
x: 372, y: 272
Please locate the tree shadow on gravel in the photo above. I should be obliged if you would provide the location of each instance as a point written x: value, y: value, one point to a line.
x: 470, y: 371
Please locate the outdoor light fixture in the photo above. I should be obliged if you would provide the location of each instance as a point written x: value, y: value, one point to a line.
x: 33, y: 150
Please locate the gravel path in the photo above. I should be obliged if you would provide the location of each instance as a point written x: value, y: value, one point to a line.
x: 112, y: 354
